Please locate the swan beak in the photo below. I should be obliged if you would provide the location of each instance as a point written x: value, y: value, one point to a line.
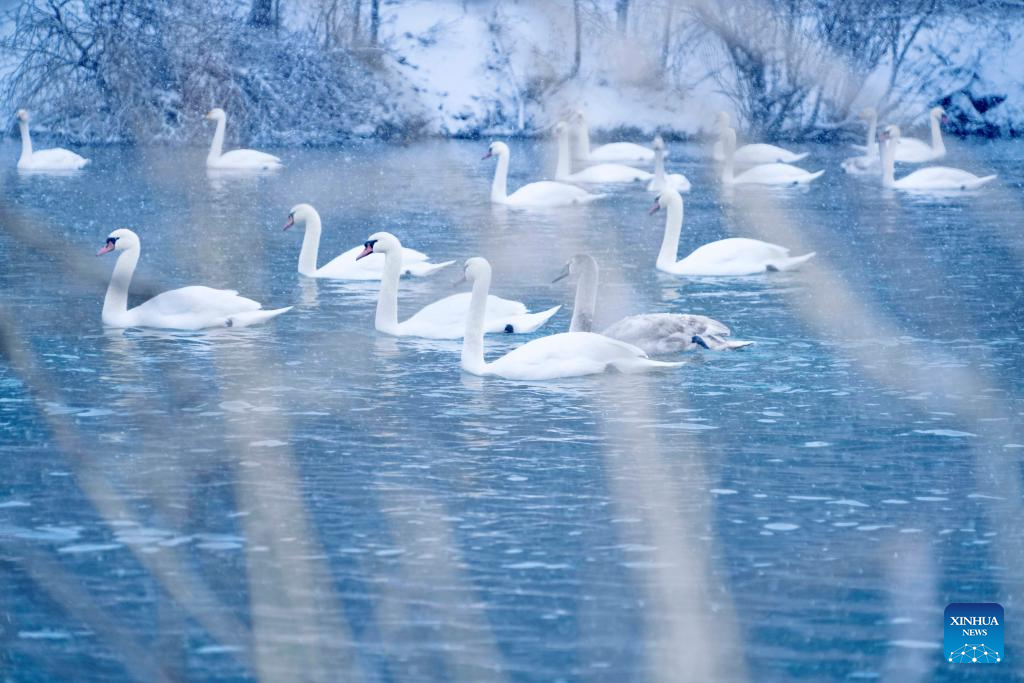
x: 654, y: 209
x: 486, y: 156
x: 108, y: 247
x: 367, y: 249
x: 290, y: 222
x: 564, y: 274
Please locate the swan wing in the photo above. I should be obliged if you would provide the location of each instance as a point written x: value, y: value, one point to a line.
x: 550, y: 193
x: 761, y: 153
x: 860, y: 165
x: 660, y: 334
x: 677, y: 181
x: 775, y: 174
x: 732, y: 256
x: 622, y: 152
x: 56, y: 159
x: 446, y: 318
x: 941, y: 178
x: 610, y: 173
x: 346, y: 267
x: 193, y: 308
x: 571, y: 354
x: 246, y: 158
x: 914, y: 151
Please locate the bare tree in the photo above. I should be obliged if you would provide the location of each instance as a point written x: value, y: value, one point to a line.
x: 262, y: 14
x: 577, y: 22
x: 374, y: 22
x: 622, y: 16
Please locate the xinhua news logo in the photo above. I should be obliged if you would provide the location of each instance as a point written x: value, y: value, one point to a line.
x: 974, y: 633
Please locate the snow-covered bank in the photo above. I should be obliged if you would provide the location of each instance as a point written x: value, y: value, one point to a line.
x: 509, y: 67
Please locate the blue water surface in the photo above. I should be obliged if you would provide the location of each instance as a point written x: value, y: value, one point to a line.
x: 312, y: 500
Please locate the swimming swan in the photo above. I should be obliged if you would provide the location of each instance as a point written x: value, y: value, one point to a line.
x: 754, y: 154
x: 444, y: 319
x: 348, y: 266
x: 933, y: 178
x: 569, y: 354
x: 867, y: 162
x: 56, y: 159
x: 613, y: 152
x: 765, y: 174
x: 731, y: 256
x: 661, y: 180
x: 188, y: 308
x: 598, y: 173
x: 237, y: 159
x: 545, y: 193
x: 657, y: 334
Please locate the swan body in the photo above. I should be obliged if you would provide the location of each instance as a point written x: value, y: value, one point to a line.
x: 911, y: 150
x: 614, y: 152
x: 756, y: 153
x: 348, y: 266
x: 238, y: 159
x: 598, y: 173
x: 661, y: 180
x: 656, y: 334
x: 568, y: 354
x: 729, y: 257
x: 931, y: 179
x: 187, y: 308
x: 444, y: 319
x: 868, y: 161
x: 765, y: 174
x: 545, y: 193
x: 56, y: 159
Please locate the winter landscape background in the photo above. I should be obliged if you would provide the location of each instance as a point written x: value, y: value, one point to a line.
x: 294, y: 72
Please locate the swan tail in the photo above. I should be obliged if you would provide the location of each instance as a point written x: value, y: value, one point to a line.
x: 422, y: 268
x: 590, y: 198
x: 714, y: 342
x: 797, y: 157
x: 814, y: 176
x: 789, y: 263
x: 247, y: 318
x: 528, y: 322
x: 986, y: 179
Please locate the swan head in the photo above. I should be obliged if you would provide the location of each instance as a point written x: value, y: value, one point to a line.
x: 216, y: 114
x: 890, y: 132
x: 666, y: 198
x: 722, y: 119
x: 578, y: 264
x: 380, y: 243
x: 22, y: 115
x: 496, y: 149
x: 867, y: 113
x: 939, y: 113
x: 658, y: 142
x: 119, y: 240
x: 476, y: 268
x: 300, y: 213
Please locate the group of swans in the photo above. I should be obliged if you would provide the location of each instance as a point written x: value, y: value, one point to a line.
x: 764, y: 164
x: 59, y: 159
x: 907, y: 150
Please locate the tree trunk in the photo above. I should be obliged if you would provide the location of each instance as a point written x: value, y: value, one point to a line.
x: 261, y: 15
x: 356, y: 19
x: 577, y: 21
x: 622, y: 15
x: 374, y: 21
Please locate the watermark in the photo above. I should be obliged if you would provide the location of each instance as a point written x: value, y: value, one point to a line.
x: 974, y: 633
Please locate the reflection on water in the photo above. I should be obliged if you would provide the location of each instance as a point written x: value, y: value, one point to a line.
x: 311, y: 495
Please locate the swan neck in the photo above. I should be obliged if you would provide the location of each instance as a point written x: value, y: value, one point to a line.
x: 872, y: 135
x: 115, y: 303
x: 586, y: 300
x: 670, y: 241
x: 26, y: 141
x: 886, y: 148
x: 499, y: 188
x: 310, y: 247
x: 582, y: 140
x: 563, y: 169
x: 386, y: 318
x: 217, y: 146
x: 473, y: 341
x: 938, y: 146
x: 659, y: 167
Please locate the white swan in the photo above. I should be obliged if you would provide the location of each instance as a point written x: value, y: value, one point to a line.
x: 598, y: 173
x: 188, y: 308
x: 540, y: 194
x: 931, y: 179
x: 755, y: 154
x: 868, y: 161
x: 56, y: 159
x: 656, y: 334
x: 444, y: 319
x: 237, y: 159
x: 661, y: 180
x: 765, y: 174
x: 914, y: 151
x: 569, y: 354
x: 348, y: 266
x: 731, y: 256
x: 613, y: 152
